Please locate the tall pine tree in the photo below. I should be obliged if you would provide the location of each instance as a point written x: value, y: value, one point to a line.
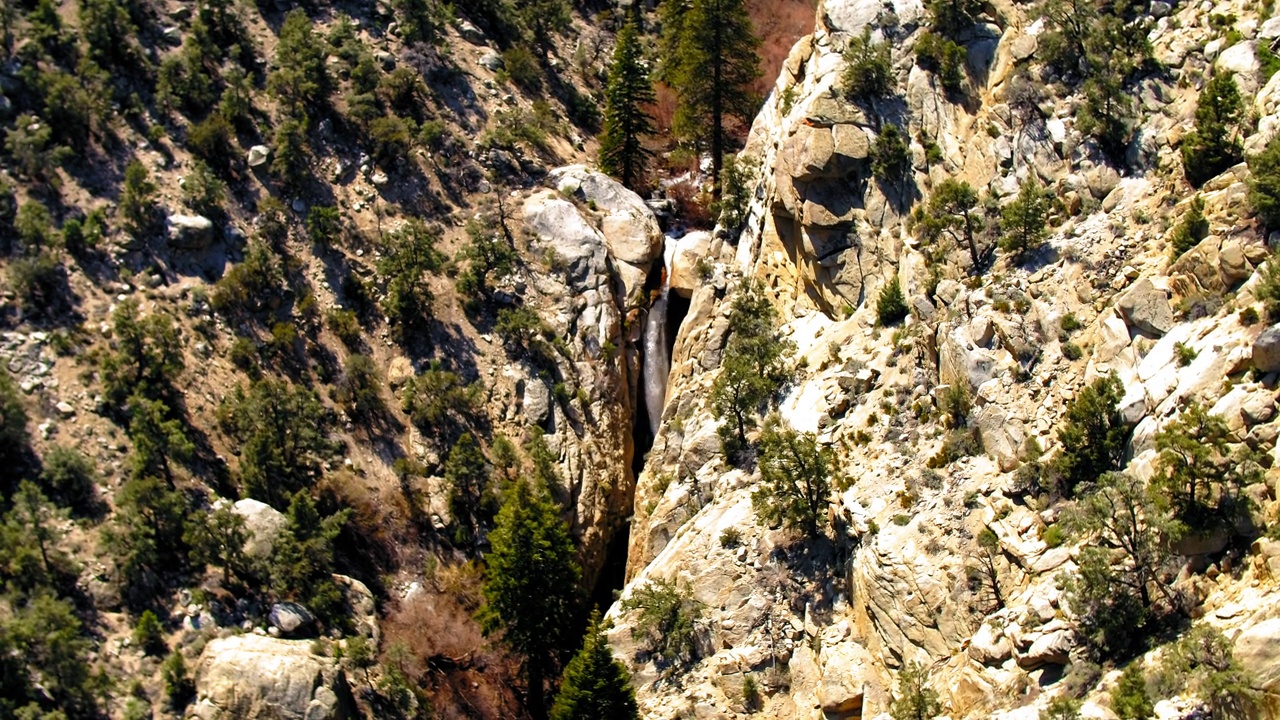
x: 531, y: 586
x: 625, y: 120
x: 595, y: 685
x: 714, y: 60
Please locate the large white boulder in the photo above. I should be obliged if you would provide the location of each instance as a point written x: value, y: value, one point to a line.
x: 689, y: 251
x: 251, y: 677
x: 263, y: 523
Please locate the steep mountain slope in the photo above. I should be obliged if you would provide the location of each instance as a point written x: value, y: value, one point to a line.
x: 822, y: 628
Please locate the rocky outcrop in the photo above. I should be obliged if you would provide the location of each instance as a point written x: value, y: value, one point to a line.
x: 249, y: 677
x: 1266, y: 350
x: 189, y: 232
x: 263, y: 524
x: 903, y: 581
x: 591, y: 290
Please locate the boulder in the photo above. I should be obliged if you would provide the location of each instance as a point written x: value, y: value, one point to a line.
x: 1232, y: 263
x: 1266, y: 350
x: 290, y: 618
x: 990, y: 646
x: 1258, y: 648
x: 850, y: 141
x: 536, y: 403
x: 1110, y: 338
x: 960, y: 358
x: 491, y: 61
x: 689, y: 250
x: 1001, y: 436
x: 563, y: 231
x: 1241, y: 61
x: 1270, y: 29
x: 1023, y: 47
x: 258, y: 155
x: 1202, y: 261
x: 1101, y: 179
x: 250, y: 677
x: 850, y: 17
x: 263, y: 523
x: 1051, y: 648
x: 631, y: 231
x: 189, y: 232
x: 1146, y: 308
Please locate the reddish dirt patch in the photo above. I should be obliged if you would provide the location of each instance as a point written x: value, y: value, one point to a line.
x: 779, y: 23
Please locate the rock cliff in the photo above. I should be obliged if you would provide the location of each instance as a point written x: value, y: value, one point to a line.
x: 824, y: 628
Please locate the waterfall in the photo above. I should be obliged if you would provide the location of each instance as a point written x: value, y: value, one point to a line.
x: 656, y: 363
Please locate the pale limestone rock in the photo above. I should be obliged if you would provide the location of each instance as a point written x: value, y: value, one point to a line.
x: 247, y: 677
x: 1110, y: 338
x: 399, y: 371
x: 1146, y: 308
x: 1241, y: 61
x: 536, y: 402
x: 1232, y: 263
x: 258, y: 155
x: 689, y: 250
x: 290, y: 617
x: 1258, y: 649
x: 1266, y: 350
x: 989, y: 646
x: 189, y: 232
x: 630, y: 228
x: 961, y: 360
x: 1050, y: 648
x: 1001, y: 436
x: 263, y: 523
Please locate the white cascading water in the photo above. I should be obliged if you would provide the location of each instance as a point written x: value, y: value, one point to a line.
x: 656, y: 363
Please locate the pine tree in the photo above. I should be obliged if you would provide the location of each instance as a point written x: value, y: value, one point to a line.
x: 622, y: 154
x: 1215, y: 144
x: 951, y: 211
x: 14, y: 438
x: 467, y: 472
x: 1024, y: 220
x: 1129, y: 698
x: 218, y: 538
x: 543, y: 18
x: 916, y: 700
x: 715, y: 61
x: 531, y: 586
x: 595, y: 685
x: 795, y: 475
x: 753, y: 367
x: 1093, y: 435
x: 891, y: 305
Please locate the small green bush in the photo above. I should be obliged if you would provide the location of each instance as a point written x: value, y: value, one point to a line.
x: 943, y: 57
x: 890, y: 157
x: 519, y: 64
x: 666, y: 623
x: 69, y: 478
x: 1184, y: 353
x: 1129, y: 698
x: 891, y: 305
x: 730, y: 537
x: 1191, y: 229
x: 868, y: 72
x: 1053, y: 536
x: 178, y: 685
x: 1072, y: 351
x: 345, y: 325
x: 324, y: 224
x: 1249, y: 316
x: 149, y: 635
